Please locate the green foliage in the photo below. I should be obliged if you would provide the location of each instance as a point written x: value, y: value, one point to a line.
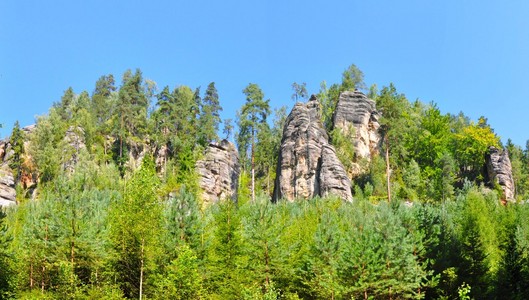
x: 471, y: 144
x: 98, y: 227
x: 300, y: 91
x: 181, y: 279
x: 17, y: 145
x: 227, y: 271
x: 352, y: 78
x: 341, y: 140
x: 209, y: 117
x: 135, y: 229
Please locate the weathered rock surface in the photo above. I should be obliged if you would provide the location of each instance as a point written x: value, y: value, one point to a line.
x: 499, y: 170
x: 74, y: 138
x: 7, y: 186
x: 354, y: 111
x: 308, y: 165
x: 219, y: 172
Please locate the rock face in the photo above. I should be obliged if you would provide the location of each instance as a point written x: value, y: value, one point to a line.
x: 219, y: 172
x: 308, y: 165
x: 354, y: 111
x: 500, y: 172
x: 7, y: 186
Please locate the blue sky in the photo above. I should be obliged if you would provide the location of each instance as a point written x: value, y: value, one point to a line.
x: 470, y: 56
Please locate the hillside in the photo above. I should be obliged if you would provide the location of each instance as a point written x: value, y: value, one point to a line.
x: 131, y: 190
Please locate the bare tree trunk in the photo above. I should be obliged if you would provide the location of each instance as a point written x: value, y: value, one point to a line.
x: 267, y: 265
x: 31, y: 274
x: 253, y: 168
x: 388, y: 171
x: 141, y: 267
x: 42, y: 278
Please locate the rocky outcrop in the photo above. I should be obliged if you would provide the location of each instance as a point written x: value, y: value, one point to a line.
x: 356, y: 115
x: 499, y: 171
x: 7, y: 186
x: 74, y: 138
x: 219, y: 172
x: 308, y: 165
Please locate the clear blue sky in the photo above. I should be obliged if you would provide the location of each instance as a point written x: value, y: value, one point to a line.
x: 470, y: 56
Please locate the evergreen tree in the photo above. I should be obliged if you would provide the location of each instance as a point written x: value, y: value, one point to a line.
x: 226, y: 262
x: 17, y: 145
x: 228, y: 128
x: 131, y: 114
x: 352, y: 78
x: 300, y: 91
x: 65, y: 107
x: 6, y: 271
x: 135, y: 229
x: 251, y: 120
x: 209, y: 117
x: 182, y: 220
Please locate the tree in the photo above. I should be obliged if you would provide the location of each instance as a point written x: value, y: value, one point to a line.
x: 64, y: 108
x: 352, y: 79
x: 471, y: 144
x: 6, y: 269
x: 186, y: 109
x: 393, y: 126
x: 135, y: 229
x: 182, y: 220
x: 225, y: 259
x: 228, y: 128
x: 131, y: 113
x: 252, y: 118
x: 300, y: 91
x: 17, y: 145
x: 181, y: 279
x: 209, y: 117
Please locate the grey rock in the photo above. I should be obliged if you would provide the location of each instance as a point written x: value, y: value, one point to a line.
x: 333, y: 178
x: 7, y: 186
x: 3, y: 145
x: 218, y: 172
x: 499, y: 170
x: 308, y: 165
x: 354, y: 111
x: 74, y: 138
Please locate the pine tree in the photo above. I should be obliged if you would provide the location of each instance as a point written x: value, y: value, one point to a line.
x: 209, y: 117
x: 251, y: 119
x: 17, y: 145
x: 136, y: 223
x: 226, y: 263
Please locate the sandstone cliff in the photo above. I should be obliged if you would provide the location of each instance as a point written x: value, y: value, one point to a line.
x: 355, y: 112
x: 219, y: 172
x: 308, y: 165
x: 500, y: 172
x: 7, y: 186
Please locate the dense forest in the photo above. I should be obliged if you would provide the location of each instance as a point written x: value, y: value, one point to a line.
x: 100, y: 217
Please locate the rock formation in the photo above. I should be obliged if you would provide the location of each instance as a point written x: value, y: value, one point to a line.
x: 219, y: 172
x: 500, y: 172
x: 7, y: 186
x: 355, y: 112
x: 308, y: 165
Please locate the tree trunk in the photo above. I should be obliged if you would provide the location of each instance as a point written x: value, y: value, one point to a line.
x: 253, y: 167
x: 31, y: 274
x: 42, y: 283
x: 141, y: 267
x: 388, y: 171
x: 267, y: 265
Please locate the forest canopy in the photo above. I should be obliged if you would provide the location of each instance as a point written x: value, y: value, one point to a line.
x: 109, y: 203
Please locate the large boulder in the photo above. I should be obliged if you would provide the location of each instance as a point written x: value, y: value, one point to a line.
x: 356, y: 114
x: 7, y: 186
x: 218, y: 172
x: 499, y: 171
x: 308, y: 165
